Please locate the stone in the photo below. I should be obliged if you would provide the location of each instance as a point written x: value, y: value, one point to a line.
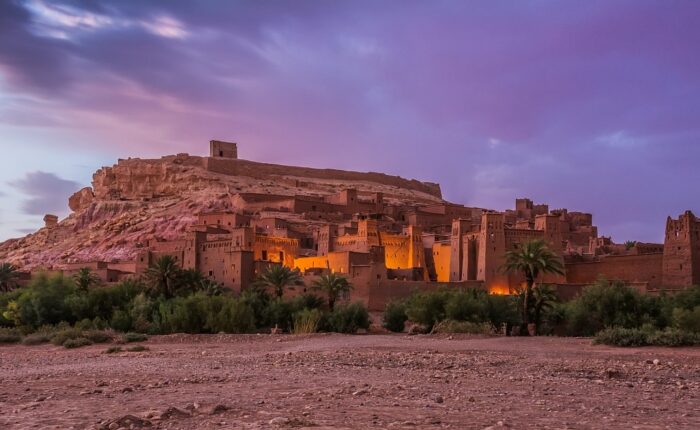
x: 279, y: 421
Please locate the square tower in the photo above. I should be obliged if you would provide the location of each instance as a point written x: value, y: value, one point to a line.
x: 221, y: 149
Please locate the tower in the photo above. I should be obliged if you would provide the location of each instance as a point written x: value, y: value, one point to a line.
x: 459, y: 228
x: 221, y: 149
x: 551, y: 225
x: 368, y: 231
x: 681, y: 260
x: 492, y: 248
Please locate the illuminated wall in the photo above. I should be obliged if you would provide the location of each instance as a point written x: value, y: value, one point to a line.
x: 441, y: 259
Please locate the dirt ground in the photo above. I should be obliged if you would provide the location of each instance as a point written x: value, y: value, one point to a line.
x: 350, y: 382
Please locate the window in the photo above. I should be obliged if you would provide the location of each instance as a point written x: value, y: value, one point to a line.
x: 211, y: 273
x: 264, y: 255
x: 221, y: 153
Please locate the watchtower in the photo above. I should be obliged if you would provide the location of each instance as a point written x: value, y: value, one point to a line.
x: 681, y: 261
x: 221, y: 149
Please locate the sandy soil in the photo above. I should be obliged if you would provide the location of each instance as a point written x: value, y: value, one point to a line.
x: 353, y: 382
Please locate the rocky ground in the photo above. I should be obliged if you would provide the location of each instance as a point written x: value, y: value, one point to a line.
x: 350, y: 382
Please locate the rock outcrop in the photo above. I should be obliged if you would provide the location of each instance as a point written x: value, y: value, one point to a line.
x: 138, y: 200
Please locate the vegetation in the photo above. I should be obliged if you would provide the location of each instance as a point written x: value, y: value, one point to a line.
x: 278, y: 278
x: 531, y: 259
x: 164, y: 276
x: 307, y: 321
x: 619, y: 336
x: 57, y: 309
x: 394, y: 317
x: 8, y: 277
x: 85, y: 279
x: 334, y: 286
x: 475, y: 306
x: 134, y: 337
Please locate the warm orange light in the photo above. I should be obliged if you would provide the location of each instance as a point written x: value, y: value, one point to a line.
x: 499, y: 290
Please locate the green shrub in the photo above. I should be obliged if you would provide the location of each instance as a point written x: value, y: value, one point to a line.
x: 137, y: 348
x: 306, y: 321
x: 134, y: 337
x: 452, y: 326
x: 85, y: 324
x: 673, y: 337
x: 306, y: 301
x: 394, y: 317
x: 36, y: 339
x: 113, y: 349
x: 97, y: 336
x: 279, y: 313
x: 687, y: 319
x: 469, y: 305
x: 427, y: 308
x: 78, y: 342
x: 620, y: 336
x: 349, y: 318
x: 604, y: 305
x: 61, y: 336
x: 9, y: 335
x: 231, y: 315
x: 120, y: 320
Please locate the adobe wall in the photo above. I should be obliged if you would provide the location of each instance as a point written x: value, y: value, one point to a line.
x: 441, y: 261
x: 264, y: 170
x: 646, y: 268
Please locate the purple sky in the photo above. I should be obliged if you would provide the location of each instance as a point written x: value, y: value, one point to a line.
x: 590, y: 105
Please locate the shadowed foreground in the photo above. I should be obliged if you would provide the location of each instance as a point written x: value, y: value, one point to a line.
x: 336, y: 381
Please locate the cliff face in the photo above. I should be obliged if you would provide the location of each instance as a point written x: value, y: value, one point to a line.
x: 137, y: 200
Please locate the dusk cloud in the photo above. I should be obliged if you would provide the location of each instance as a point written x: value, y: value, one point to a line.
x: 591, y: 105
x: 46, y: 193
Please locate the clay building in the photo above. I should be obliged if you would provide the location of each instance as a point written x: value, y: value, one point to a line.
x: 388, y: 249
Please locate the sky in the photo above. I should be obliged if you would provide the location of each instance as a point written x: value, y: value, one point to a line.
x: 593, y: 106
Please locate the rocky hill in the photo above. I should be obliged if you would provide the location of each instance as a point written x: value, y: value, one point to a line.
x: 137, y: 200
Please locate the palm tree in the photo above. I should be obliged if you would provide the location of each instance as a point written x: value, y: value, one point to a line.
x: 543, y: 297
x: 334, y: 286
x: 8, y: 277
x: 277, y: 278
x: 531, y: 259
x: 164, y: 276
x: 84, y: 279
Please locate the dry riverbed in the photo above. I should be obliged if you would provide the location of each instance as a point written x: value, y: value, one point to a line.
x: 350, y: 382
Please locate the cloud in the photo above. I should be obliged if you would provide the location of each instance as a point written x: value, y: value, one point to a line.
x: 46, y: 193
x: 589, y: 105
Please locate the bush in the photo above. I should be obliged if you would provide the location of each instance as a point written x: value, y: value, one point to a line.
x: 113, y: 349
x: 427, y: 309
x: 686, y: 319
x: 120, y: 320
x: 605, y: 305
x: 137, y: 348
x: 620, y: 336
x: 279, y: 313
x: 469, y: 305
x: 452, y: 326
x: 230, y: 315
x: 78, y: 342
x: 394, y: 317
x: 36, y: 339
x: 134, y: 337
x: 8, y: 335
x: 61, y: 336
x: 97, y: 336
x: 673, y: 337
x: 307, y: 301
x: 349, y: 318
x: 307, y: 321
